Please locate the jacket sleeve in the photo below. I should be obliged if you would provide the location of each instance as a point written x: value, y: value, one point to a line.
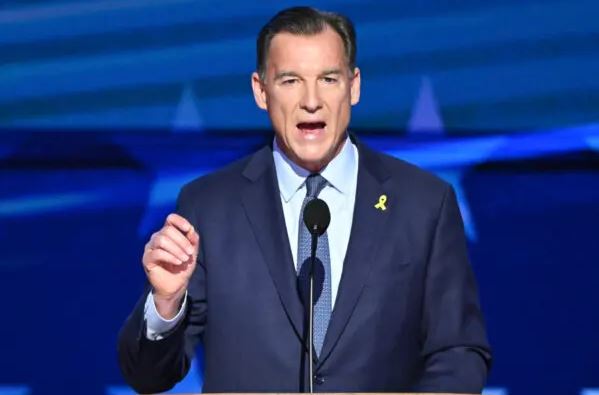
x: 151, y: 366
x: 455, y: 350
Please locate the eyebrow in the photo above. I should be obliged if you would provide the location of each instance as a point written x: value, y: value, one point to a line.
x: 284, y: 74
x: 330, y: 71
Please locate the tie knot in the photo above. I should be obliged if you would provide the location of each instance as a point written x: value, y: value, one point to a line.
x: 314, y: 184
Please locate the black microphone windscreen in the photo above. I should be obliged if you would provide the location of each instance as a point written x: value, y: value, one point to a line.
x: 317, y: 216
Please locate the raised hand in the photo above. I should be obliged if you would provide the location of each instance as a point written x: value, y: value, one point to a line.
x: 169, y: 260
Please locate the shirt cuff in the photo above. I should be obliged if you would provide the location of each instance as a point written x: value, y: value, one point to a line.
x: 157, y: 328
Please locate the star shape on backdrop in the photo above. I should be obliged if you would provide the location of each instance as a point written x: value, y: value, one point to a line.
x: 187, y: 115
x: 166, y: 184
x: 426, y: 120
x: 426, y: 117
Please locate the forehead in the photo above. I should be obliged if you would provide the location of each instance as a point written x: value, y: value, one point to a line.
x: 321, y: 50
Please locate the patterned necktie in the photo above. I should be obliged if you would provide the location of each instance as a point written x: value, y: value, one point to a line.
x: 322, y: 268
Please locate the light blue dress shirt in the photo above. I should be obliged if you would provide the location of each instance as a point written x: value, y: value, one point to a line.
x: 339, y: 194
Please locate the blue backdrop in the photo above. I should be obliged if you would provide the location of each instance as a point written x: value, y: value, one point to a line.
x: 107, y: 107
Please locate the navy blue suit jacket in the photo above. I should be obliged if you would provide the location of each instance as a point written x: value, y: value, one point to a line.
x: 406, y: 318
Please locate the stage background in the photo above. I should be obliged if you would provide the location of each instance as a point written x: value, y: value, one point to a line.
x: 107, y: 107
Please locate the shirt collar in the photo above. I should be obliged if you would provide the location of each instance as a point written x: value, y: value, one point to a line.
x: 291, y: 177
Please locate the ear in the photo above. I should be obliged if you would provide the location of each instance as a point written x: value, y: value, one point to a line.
x: 259, y: 92
x: 355, y: 87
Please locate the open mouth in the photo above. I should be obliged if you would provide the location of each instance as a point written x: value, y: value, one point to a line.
x: 311, y: 127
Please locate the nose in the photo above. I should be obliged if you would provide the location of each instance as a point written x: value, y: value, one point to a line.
x: 311, y: 100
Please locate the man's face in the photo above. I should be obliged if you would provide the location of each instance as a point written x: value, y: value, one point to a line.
x: 308, y: 91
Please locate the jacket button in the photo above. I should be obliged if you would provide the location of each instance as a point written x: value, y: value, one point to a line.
x: 318, y: 379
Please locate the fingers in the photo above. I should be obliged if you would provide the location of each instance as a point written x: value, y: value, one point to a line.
x: 166, y: 239
x: 175, y: 269
x: 184, y: 226
x: 159, y: 255
x: 175, y: 244
x: 179, y: 222
x: 179, y: 238
x: 194, y: 238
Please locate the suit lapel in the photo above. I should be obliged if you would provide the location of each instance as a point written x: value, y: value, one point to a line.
x: 367, y: 229
x: 262, y: 205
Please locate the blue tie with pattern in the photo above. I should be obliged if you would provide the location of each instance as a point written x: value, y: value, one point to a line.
x: 322, y: 268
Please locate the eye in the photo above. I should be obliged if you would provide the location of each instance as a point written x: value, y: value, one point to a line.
x: 289, y: 81
x: 329, y: 80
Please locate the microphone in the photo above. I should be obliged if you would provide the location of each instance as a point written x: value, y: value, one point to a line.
x: 316, y: 218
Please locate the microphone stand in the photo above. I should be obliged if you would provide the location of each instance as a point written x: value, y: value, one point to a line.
x: 316, y: 218
x: 311, y: 310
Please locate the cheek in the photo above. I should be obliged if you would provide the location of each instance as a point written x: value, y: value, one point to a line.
x: 283, y: 111
x: 339, y: 101
x: 283, y: 99
x: 343, y: 110
x: 277, y: 111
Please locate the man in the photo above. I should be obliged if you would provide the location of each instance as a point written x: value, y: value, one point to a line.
x: 398, y: 310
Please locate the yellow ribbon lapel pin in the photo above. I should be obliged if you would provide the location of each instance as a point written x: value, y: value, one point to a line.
x: 381, y: 204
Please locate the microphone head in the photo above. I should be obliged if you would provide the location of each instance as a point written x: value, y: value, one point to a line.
x: 317, y: 216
